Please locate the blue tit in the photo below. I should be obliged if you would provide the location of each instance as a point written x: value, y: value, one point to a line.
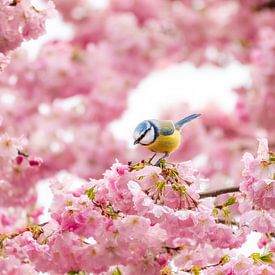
x: 160, y: 136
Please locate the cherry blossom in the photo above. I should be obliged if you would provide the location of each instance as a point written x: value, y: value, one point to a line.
x: 259, y: 177
x: 21, y: 21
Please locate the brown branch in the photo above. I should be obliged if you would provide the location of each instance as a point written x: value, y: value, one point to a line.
x: 218, y: 192
x: 265, y: 6
x: 14, y: 2
x: 196, y: 269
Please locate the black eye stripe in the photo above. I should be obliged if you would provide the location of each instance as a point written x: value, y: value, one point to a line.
x: 143, y: 135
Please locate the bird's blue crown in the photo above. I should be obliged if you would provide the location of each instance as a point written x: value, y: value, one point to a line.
x: 142, y: 127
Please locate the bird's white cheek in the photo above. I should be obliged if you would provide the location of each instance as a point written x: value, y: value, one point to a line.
x: 148, y: 138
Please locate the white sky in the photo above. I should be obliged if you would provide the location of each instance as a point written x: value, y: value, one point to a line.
x: 180, y: 83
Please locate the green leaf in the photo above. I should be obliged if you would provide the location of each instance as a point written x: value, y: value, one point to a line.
x: 196, y: 270
x: 256, y: 257
x: 36, y: 230
x: 166, y: 271
x: 215, y: 212
x: 137, y: 167
x: 3, y: 237
x: 110, y: 212
x: 174, y: 173
x: 226, y: 211
x: 230, y: 201
x: 267, y: 258
x: 225, y: 259
x: 179, y: 188
x: 272, y: 157
x: 117, y: 271
x: 160, y: 184
x: 90, y: 193
x: 162, y: 164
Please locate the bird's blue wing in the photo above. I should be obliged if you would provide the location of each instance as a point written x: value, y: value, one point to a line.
x: 166, y: 127
x: 183, y: 121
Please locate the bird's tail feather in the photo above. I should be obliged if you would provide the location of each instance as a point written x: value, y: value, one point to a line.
x: 183, y: 121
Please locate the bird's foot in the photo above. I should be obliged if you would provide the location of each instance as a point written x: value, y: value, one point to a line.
x: 158, y: 163
x: 161, y: 162
x: 150, y: 160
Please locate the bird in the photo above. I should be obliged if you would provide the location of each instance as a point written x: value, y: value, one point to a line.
x: 160, y: 136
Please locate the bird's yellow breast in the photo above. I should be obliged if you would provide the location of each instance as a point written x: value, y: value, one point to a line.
x: 166, y: 144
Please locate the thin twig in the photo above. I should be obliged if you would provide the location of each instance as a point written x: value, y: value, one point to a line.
x: 218, y: 192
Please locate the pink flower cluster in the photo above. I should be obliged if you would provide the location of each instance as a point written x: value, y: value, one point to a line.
x: 18, y: 173
x: 259, y: 177
x: 141, y: 218
x: 20, y: 20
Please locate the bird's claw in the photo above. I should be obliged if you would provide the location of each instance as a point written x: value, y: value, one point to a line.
x: 150, y: 160
x: 160, y: 163
x: 157, y: 163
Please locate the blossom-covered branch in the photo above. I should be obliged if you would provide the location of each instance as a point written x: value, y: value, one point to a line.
x: 139, y: 218
x: 215, y: 193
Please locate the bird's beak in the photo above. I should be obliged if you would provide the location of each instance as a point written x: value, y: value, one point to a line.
x: 135, y: 142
